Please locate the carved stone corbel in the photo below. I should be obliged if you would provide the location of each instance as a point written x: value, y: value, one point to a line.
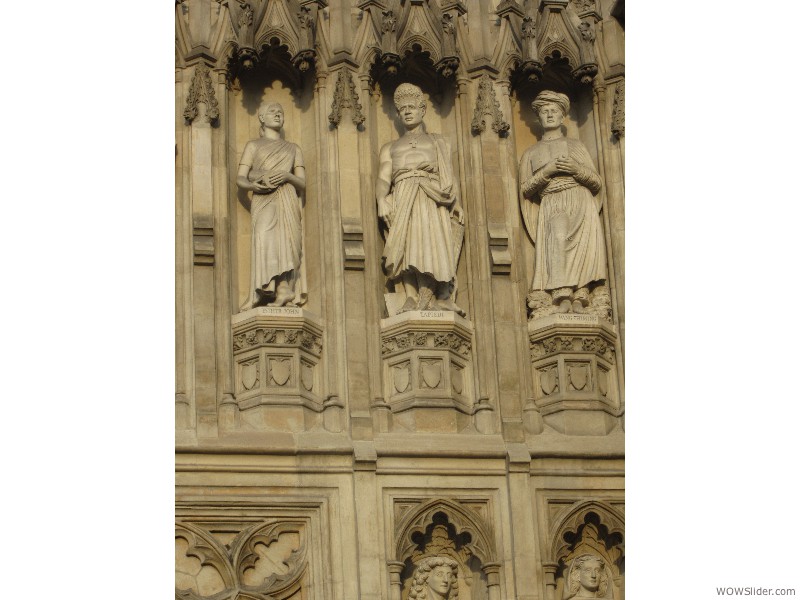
x: 531, y: 65
x: 243, y: 21
x: 305, y: 58
x: 390, y: 60
x: 447, y: 66
x: 201, y: 90
x: 487, y: 104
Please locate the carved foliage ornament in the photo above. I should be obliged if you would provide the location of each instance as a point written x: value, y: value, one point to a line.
x: 267, y: 336
x: 487, y: 104
x: 201, y: 90
x: 345, y: 96
x: 406, y: 341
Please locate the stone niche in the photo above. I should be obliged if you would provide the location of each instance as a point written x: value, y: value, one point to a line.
x: 575, y: 381
x: 276, y: 368
x: 427, y: 370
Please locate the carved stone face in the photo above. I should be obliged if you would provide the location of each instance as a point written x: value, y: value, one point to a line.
x: 441, y: 580
x: 411, y: 114
x: 272, y: 116
x: 590, y: 575
x: 551, y: 116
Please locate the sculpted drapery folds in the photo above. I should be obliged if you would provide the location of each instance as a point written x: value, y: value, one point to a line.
x: 273, y: 170
x: 418, y: 200
x: 560, y: 207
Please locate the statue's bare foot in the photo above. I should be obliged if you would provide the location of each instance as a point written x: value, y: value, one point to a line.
x: 410, y: 304
x: 448, y: 304
x: 577, y: 307
x: 565, y: 306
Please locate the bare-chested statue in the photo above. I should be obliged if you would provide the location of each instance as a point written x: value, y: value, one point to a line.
x: 418, y: 200
x: 273, y: 170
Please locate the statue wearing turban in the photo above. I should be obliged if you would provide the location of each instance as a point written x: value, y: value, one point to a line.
x: 560, y: 207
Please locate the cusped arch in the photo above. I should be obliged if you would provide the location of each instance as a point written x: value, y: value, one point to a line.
x: 481, y: 544
x: 415, y: 44
x: 575, y: 517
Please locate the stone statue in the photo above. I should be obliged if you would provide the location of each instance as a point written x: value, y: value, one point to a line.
x: 273, y: 170
x: 560, y: 207
x: 435, y: 578
x: 418, y: 200
x: 587, y: 578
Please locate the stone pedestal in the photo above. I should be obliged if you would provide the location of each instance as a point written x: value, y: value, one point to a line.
x: 574, y: 373
x: 276, y: 368
x: 427, y: 370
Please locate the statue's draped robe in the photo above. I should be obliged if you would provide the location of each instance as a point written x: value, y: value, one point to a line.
x: 276, y: 247
x: 420, y: 236
x: 562, y: 217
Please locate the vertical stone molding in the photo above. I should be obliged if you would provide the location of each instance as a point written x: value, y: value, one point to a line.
x: 573, y: 362
x: 277, y: 351
x: 618, y: 114
x: 427, y: 370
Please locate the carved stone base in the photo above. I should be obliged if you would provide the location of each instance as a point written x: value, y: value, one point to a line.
x: 427, y: 370
x: 575, y: 383
x: 277, y: 376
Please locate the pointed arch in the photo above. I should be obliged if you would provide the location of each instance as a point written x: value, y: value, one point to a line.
x: 576, y: 517
x: 481, y: 536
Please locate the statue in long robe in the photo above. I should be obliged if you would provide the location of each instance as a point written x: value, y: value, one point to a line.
x: 418, y: 199
x: 560, y: 208
x: 273, y: 170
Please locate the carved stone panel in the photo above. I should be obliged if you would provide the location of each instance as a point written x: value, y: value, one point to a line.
x: 427, y: 370
x: 277, y: 353
x: 575, y: 373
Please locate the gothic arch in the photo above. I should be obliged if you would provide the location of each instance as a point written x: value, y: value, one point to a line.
x: 415, y: 523
x: 565, y: 530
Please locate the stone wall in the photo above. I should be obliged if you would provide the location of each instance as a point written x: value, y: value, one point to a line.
x: 327, y: 450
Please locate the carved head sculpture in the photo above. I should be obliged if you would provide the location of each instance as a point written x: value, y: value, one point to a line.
x: 410, y: 103
x: 270, y: 114
x: 434, y: 578
x: 587, y: 577
x: 545, y: 106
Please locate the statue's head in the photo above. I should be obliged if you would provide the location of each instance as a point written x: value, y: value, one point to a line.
x: 588, y: 572
x: 410, y: 103
x: 438, y: 573
x: 270, y: 114
x: 547, y: 107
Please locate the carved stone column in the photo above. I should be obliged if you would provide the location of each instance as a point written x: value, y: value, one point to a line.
x: 396, y: 586
x: 277, y: 353
x: 550, y: 569
x: 575, y: 385
x: 492, y: 571
x: 427, y: 370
